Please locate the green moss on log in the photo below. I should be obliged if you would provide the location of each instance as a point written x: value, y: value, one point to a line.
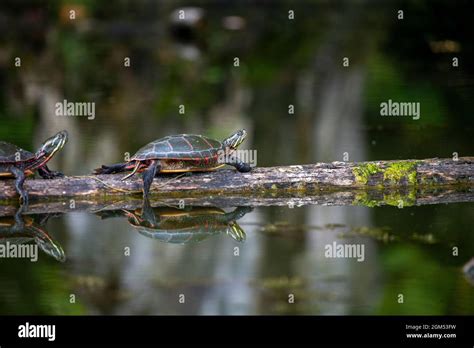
x: 397, y: 171
x: 363, y: 172
x: 392, y: 174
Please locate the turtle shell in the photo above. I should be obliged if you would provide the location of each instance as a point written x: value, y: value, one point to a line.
x: 179, y: 227
x: 181, y: 236
x: 10, y: 153
x: 179, y: 147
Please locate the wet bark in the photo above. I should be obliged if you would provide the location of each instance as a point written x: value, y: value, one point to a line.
x: 399, y: 183
x: 275, y: 181
x: 398, y: 198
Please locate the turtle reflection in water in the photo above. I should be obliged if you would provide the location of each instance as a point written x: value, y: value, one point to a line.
x: 180, y: 226
x: 468, y: 270
x: 22, y: 230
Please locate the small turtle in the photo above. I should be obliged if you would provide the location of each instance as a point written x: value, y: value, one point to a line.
x: 21, y: 230
x: 181, y: 153
x: 18, y: 163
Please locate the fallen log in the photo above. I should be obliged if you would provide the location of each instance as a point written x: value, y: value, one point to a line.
x: 304, y: 180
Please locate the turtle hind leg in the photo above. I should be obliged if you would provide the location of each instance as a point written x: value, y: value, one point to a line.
x: 19, y: 181
x: 47, y: 173
x: 148, y: 175
x: 111, y: 169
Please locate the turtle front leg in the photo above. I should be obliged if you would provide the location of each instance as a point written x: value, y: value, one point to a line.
x: 47, y: 173
x: 238, y: 213
x: 234, y: 215
x: 19, y: 181
x: 148, y: 175
x: 238, y: 164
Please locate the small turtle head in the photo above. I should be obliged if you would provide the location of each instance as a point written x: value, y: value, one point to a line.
x: 52, y: 145
x: 235, y: 139
x: 52, y: 248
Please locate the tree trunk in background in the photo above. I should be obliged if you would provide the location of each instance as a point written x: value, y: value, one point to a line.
x: 339, y: 108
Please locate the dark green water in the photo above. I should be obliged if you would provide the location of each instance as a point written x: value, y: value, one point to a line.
x: 110, y: 268
x: 281, y: 268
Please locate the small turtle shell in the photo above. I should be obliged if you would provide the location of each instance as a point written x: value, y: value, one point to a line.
x: 10, y: 153
x: 179, y: 147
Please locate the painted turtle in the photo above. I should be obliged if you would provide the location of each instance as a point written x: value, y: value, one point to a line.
x: 181, y: 153
x: 18, y: 230
x: 18, y: 163
x: 180, y: 226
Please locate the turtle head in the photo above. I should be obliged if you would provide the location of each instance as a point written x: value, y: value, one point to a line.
x: 50, y: 247
x: 235, y: 139
x: 52, y: 145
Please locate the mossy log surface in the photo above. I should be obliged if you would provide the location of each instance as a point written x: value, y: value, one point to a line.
x: 365, y: 183
x: 307, y: 178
